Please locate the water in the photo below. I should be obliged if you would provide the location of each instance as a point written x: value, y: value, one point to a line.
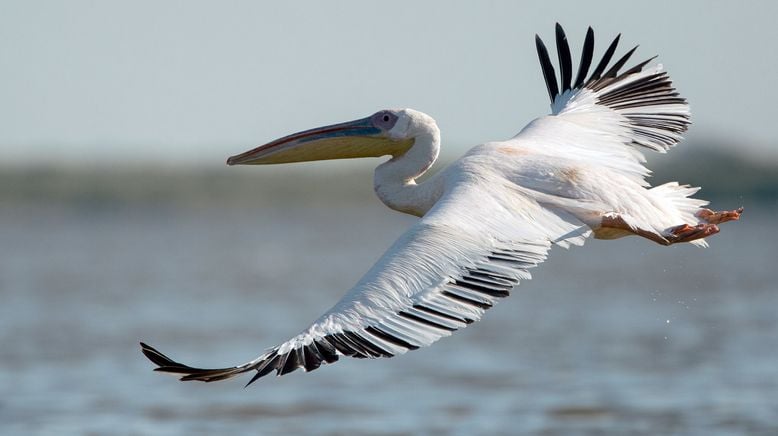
x: 621, y: 337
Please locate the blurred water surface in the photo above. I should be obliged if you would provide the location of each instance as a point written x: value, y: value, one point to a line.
x: 622, y: 337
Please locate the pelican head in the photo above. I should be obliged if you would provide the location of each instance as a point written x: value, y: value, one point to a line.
x: 386, y: 132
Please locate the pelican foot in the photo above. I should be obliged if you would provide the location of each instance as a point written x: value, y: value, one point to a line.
x: 687, y: 233
x: 712, y: 217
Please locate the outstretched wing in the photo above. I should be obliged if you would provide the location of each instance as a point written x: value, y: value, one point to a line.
x: 468, y: 252
x: 607, y: 118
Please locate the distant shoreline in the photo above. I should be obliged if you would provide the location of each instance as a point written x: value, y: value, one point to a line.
x: 724, y: 176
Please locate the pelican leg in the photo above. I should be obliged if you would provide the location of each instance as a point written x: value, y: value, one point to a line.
x: 712, y: 217
x: 613, y: 226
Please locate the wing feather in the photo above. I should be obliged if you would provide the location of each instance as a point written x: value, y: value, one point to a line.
x: 443, y: 274
x: 587, y: 54
x: 549, y: 75
x: 606, y: 58
x: 610, y: 117
x: 565, y: 58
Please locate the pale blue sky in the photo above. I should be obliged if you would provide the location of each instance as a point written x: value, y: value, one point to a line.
x: 193, y: 81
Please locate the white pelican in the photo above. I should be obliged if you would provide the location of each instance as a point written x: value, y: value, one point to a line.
x: 494, y: 213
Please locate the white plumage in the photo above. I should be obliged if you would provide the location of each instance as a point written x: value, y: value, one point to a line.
x: 491, y: 216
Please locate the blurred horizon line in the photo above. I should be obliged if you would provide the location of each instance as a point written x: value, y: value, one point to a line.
x: 723, y: 174
x: 202, y: 156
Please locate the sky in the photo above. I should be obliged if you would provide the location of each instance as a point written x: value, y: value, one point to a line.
x: 192, y: 82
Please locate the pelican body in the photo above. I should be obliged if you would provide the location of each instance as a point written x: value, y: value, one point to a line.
x: 494, y: 214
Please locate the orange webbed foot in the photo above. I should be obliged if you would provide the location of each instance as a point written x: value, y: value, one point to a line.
x: 712, y: 217
x: 687, y: 233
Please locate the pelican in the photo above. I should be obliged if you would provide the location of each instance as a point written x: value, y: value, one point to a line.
x: 494, y: 214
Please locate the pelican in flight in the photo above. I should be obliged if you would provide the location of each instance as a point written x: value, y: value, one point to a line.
x: 494, y: 214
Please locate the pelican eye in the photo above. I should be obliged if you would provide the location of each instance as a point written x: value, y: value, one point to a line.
x: 384, y: 120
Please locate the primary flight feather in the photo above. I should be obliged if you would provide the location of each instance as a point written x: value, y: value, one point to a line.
x: 494, y: 214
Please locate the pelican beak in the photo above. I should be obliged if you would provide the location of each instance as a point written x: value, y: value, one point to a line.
x: 359, y: 138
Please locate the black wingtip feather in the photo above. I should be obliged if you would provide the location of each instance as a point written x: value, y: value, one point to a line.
x: 565, y: 58
x: 606, y: 58
x: 587, y: 54
x: 599, y: 75
x: 155, y: 356
x: 636, y: 69
x: 549, y: 75
x: 292, y: 362
x: 168, y: 365
x: 266, y: 368
x: 614, y: 70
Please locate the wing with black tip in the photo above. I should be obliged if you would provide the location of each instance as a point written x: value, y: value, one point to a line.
x: 610, y: 115
x: 444, y: 273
